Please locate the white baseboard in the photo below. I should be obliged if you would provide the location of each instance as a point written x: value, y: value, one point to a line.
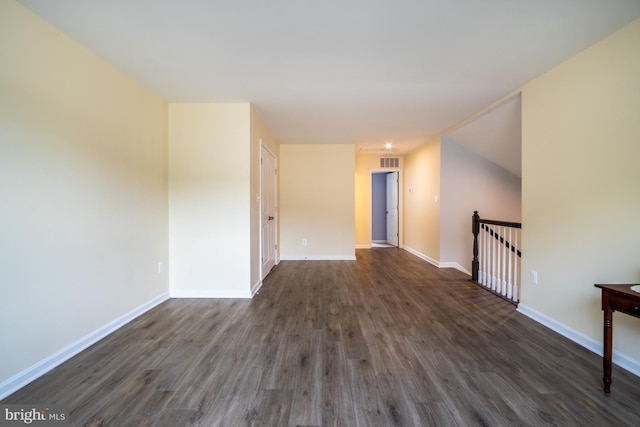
x: 436, y: 262
x: 255, y: 288
x: 319, y: 258
x: 585, y: 341
x: 422, y: 256
x: 209, y: 294
x: 34, y: 372
x: 454, y: 265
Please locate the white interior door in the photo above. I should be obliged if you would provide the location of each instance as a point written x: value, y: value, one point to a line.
x: 392, y: 208
x: 268, y: 210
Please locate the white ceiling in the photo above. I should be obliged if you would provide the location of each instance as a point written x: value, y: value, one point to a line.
x: 341, y: 71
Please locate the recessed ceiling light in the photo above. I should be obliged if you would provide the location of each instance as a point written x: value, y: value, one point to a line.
x: 387, y: 145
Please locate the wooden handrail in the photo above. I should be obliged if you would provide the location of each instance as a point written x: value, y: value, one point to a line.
x: 501, y: 223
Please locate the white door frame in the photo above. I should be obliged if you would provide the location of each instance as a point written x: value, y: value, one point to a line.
x: 400, y: 203
x: 392, y: 188
x: 275, y: 205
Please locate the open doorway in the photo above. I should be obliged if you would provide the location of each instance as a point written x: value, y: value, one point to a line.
x: 385, y: 209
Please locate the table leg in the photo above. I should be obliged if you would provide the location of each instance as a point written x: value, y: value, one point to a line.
x: 606, y: 360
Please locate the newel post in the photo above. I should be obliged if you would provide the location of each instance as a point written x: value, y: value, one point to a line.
x: 475, y: 264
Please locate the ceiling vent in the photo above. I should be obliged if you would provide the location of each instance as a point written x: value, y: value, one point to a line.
x: 389, y: 162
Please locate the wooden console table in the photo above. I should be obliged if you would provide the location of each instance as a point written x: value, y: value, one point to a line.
x: 615, y: 298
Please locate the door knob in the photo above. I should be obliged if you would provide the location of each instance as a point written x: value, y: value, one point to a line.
x: 270, y: 218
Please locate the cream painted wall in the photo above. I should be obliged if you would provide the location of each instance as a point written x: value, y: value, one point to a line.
x: 365, y: 165
x: 83, y: 183
x: 580, y: 194
x: 421, y: 211
x: 259, y: 133
x: 470, y: 182
x: 317, y: 193
x: 209, y: 200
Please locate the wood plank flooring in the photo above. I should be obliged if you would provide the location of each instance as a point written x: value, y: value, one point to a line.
x: 387, y: 340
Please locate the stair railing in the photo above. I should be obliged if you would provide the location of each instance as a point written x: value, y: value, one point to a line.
x: 496, y: 262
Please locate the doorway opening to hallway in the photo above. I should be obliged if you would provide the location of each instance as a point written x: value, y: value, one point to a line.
x: 385, y: 209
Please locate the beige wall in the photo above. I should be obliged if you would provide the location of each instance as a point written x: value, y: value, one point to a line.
x: 580, y: 194
x: 421, y: 211
x: 365, y: 165
x: 317, y: 193
x: 209, y: 200
x: 83, y: 179
x: 259, y: 134
x: 470, y: 182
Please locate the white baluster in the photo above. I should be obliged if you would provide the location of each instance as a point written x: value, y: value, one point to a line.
x: 497, y: 240
x: 499, y: 266
x: 516, y: 270
x: 503, y: 253
x: 510, y: 255
x: 480, y: 254
x: 485, y: 280
x: 493, y: 259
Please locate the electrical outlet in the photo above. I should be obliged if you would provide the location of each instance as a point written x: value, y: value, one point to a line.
x: 534, y: 277
x: 304, y: 242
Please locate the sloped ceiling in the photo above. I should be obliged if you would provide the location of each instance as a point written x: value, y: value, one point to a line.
x: 495, y: 135
x: 340, y: 71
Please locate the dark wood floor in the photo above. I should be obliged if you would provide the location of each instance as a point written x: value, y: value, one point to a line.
x: 387, y: 340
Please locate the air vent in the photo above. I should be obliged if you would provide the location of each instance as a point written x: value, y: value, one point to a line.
x: 389, y: 162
